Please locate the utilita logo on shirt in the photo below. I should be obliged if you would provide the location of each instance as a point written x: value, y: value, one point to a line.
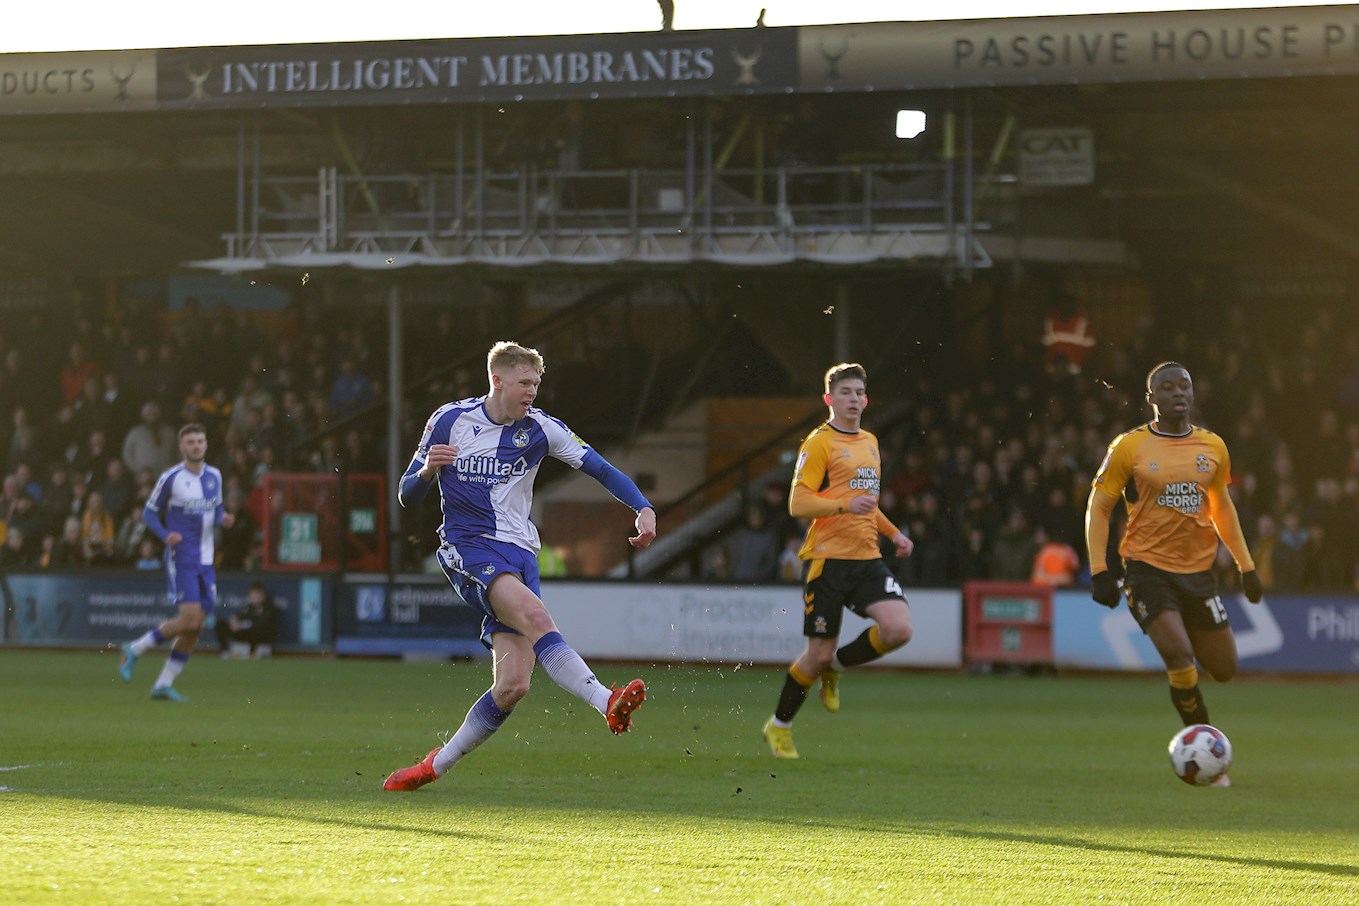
x: 488, y: 469
x: 1185, y: 496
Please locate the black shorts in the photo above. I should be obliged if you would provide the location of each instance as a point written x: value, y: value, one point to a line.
x: 1151, y: 592
x: 832, y: 586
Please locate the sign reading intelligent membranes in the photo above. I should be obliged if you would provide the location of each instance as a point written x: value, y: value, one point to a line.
x: 556, y: 67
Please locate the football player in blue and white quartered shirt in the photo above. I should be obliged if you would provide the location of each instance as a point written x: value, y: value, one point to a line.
x: 485, y: 453
x: 183, y: 509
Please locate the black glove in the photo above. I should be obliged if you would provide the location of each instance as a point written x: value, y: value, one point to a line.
x: 1104, y: 589
x: 1250, y: 584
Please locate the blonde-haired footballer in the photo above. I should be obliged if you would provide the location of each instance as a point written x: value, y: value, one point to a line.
x: 836, y: 484
x: 1174, y: 478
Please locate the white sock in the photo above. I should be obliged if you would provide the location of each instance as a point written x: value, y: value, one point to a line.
x: 570, y: 671
x: 173, y: 665
x: 145, y: 643
x: 481, y: 722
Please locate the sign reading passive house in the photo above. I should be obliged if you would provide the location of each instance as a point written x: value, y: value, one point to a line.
x: 1125, y: 47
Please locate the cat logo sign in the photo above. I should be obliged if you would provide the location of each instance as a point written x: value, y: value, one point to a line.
x: 1057, y: 157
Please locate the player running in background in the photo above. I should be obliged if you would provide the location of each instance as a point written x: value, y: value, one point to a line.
x: 183, y: 508
x: 1174, y: 478
x: 836, y: 484
x: 484, y: 453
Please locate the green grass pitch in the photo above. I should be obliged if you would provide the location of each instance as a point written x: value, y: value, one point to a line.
x: 925, y: 788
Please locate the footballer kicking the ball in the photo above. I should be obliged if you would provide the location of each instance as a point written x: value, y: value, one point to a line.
x: 484, y: 453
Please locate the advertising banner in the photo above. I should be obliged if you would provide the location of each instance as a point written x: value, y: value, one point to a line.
x: 403, y: 618
x: 759, y: 624
x: 89, y: 81
x: 1281, y: 634
x: 649, y: 64
x: 1059, y: 50
x: 77, y: 609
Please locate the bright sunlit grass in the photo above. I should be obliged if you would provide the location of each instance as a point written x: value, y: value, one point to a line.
x: 926, y: 788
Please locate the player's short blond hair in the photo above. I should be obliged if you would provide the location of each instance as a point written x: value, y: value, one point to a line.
x: 509, y: 354
x: 837, y: 373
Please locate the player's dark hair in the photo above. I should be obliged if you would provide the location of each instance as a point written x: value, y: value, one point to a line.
x: 837, y: 373
x: 193, y: 428
x: 1151, y: 375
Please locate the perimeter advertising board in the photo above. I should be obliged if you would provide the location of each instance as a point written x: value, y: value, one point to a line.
x: 96, y: 609
x: 1281, y: 634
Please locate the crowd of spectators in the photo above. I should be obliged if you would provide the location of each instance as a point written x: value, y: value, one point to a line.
x: 988, y: 468
x: 90, y: 405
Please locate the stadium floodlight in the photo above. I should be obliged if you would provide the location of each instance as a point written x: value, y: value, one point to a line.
x: 910, y: 123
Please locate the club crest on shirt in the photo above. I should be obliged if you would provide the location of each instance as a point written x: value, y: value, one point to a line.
x: 1201, y: 463
x: 488, y: 569
x: 1153, y: 467
x: 520, y: 438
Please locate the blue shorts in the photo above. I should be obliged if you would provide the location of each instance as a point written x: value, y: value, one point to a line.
x: 473, y: 565
x: 191, y: 583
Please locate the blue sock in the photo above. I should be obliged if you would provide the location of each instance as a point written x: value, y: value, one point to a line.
x: 482, y: 721
x: 570, y: 671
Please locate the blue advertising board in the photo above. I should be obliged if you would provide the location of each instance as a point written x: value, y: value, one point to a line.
x: 1281, y: 634
x: 379, y: 617
x: 86, y: 608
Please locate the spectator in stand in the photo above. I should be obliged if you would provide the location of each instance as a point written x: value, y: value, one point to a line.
x: 250, y: 396
x: 1290, y: 552
x: 167, y: 380
x: 25, y: 519
x: 117, y: 406
x: 23, y: 439
x: 790, y: 564
x: 14, y: 554
x: 140, y: 379
x: 717, y: 564
x: 132, y: 531
x: 974, y: 560
x: 774, y: 504
x: 117, y: 487
x: 90, y: 411
x: 753, y: 549
x: 96, y: 531
x: 27, y: 482
x: 90, y: 460
x: 148, y: 555
x: 9, y: 502
x: 237, y: 540
x: 66, y: 551
x: 1067, y: 336
x: 255, y: 626
x: 1014, y: 552
x: 351, y: 391
x: 1056, y: 564
x: 57, y: 496
x: 151, y: 445
x: 359, y: 453
x: 78, y: 369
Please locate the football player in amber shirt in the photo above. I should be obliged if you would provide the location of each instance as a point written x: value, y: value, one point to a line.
x: 836, y: 484
x: 1174, y: 478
